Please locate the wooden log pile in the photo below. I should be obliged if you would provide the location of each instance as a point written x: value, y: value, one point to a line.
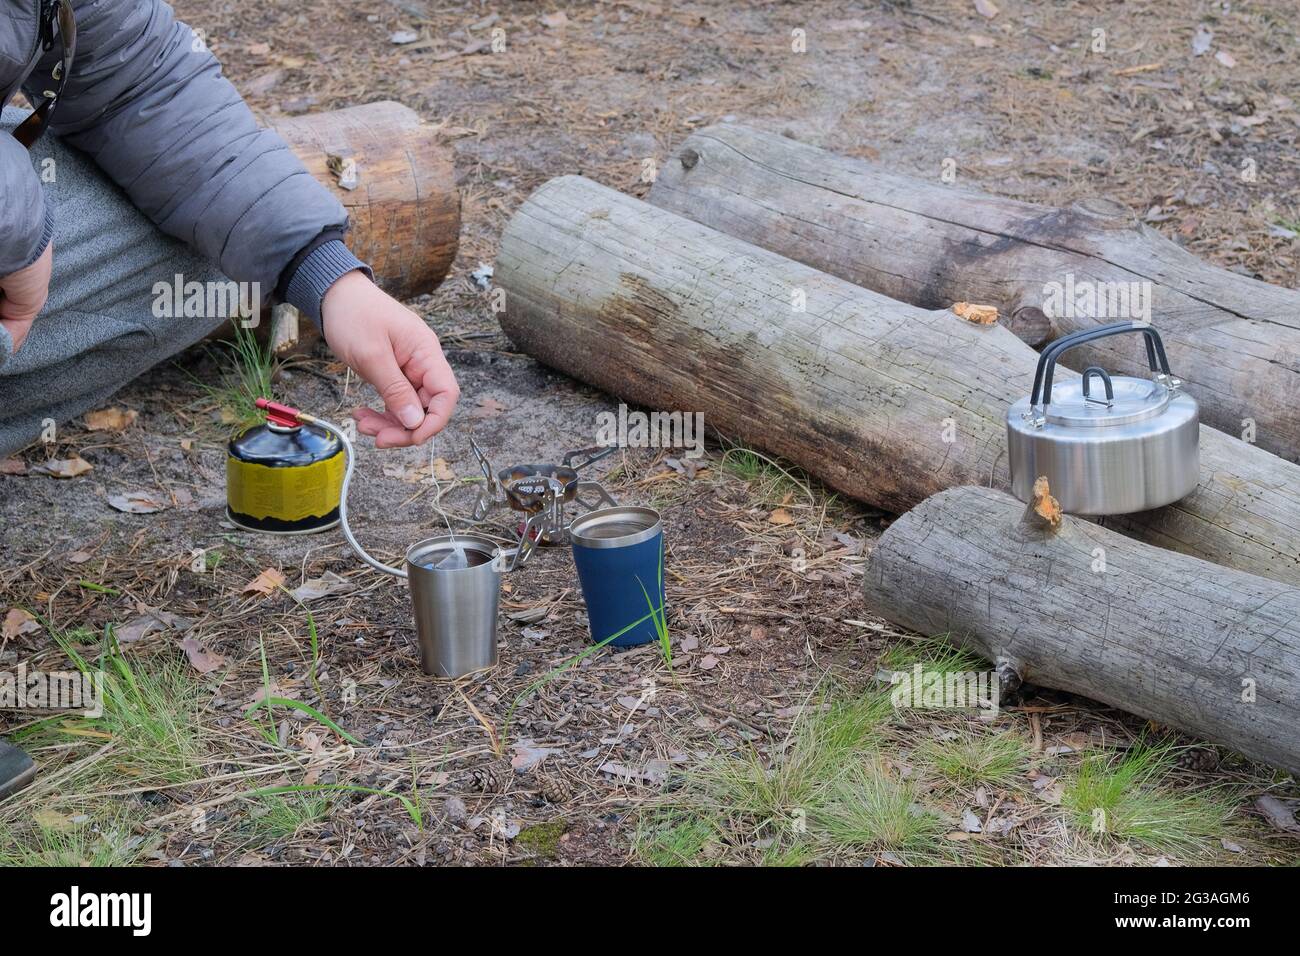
x: 1235, y: 341
x: 892, y: 403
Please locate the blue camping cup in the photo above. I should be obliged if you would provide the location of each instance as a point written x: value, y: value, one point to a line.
x: 619, y: 554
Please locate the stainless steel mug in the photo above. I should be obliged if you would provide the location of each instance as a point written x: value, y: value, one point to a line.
x: 455, y: 609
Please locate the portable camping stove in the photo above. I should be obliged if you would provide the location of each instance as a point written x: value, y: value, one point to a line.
x: 541, y: 492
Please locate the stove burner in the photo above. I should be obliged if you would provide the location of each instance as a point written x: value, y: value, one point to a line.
x: 541, y: 492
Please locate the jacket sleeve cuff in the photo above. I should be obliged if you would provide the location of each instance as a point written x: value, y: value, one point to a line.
x: 46, y: 235
x: 322, y: 267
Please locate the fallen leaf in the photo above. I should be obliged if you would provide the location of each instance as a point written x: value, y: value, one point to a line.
x: 1049, y: 789
x: 48, y: 819
x: 201, y: 659
x: 531, y: 615
x: 708, y: 662
x: 527, y: 756
x: 1278, y: 813
x: 265, y: 583
x: 258, y: 49
x: 442, y: 471
x: 986, y: 8
x: 136, y: 503
x: 970, y: 822
x: 148, y: 622
x: 403, y: 37
x: 17, y: 622
x: 113, y: 419
x: 979, y: 314
x: 1226, y: 59
x: 981, y: 41
x: 13, y: 466
x: 488, y: 408
x: 79, y: 557
x: 780, y: 516
x: 323, y: 586
x: 63, y: 467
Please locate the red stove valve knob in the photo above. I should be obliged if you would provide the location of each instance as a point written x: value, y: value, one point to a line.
x: 276, y: 414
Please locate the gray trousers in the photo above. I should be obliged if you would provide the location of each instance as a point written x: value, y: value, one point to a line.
x: 99, y: 329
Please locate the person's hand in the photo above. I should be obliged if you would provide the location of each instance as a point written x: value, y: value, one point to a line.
x: 391, y: 348
x: 23, y: 295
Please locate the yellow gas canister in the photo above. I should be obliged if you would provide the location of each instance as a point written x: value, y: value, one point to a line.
x: 284, y: 477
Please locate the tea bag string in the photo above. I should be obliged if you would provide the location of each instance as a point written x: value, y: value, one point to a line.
x: 456, y: 558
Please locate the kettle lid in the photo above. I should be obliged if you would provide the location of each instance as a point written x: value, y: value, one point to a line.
x: 1127, y: 399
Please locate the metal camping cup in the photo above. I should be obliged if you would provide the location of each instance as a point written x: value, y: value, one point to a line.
x: 1107, y: 444
x: 619, y: 555
x: 455, y: 608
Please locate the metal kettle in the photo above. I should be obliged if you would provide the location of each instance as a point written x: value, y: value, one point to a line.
x: 1107, y: 444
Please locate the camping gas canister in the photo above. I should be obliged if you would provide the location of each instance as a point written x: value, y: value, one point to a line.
x: 284, y: 477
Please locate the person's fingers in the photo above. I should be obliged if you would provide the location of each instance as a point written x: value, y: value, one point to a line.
x: 439, y: 414
x: 386, y: 432
x: 396, y: 390
x: 439, y: 382
x: 369, y: 421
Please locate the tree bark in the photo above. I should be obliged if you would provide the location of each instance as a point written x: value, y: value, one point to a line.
x: 1234, y: 340
x: 1082, y: 609
x: 883, y: 401
x: 405, y: 210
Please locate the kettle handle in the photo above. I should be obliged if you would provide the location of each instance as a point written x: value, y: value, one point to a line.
x: 1101, y: 373
x: 1156, y: 358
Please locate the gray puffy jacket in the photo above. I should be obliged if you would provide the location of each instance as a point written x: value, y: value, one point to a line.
x: 147, y: 101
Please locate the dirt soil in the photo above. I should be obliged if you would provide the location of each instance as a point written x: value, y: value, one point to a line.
x: 1021, y: 101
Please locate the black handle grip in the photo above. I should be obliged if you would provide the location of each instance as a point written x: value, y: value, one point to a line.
x: 1156, y: 358
x: 1092, y: 370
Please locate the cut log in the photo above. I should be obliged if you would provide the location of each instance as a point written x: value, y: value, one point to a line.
x: 883, y: 401
x: 1079, y: 608
x: 404, y: 207
x: 1234, y: 340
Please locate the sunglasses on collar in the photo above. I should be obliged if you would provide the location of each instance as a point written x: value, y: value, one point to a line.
x: 29, y: 130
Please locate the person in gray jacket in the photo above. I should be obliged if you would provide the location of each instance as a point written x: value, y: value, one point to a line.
x: 154, y: 171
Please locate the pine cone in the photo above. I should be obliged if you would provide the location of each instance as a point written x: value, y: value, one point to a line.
x: 486, y: 780
x: 1199, y: 759
x: 554, y: 789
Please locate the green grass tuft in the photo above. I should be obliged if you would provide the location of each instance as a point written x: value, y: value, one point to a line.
x: 872, y: 809
x: 282, y: 815
x: 1125, y: 797
x: 978, y: 758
